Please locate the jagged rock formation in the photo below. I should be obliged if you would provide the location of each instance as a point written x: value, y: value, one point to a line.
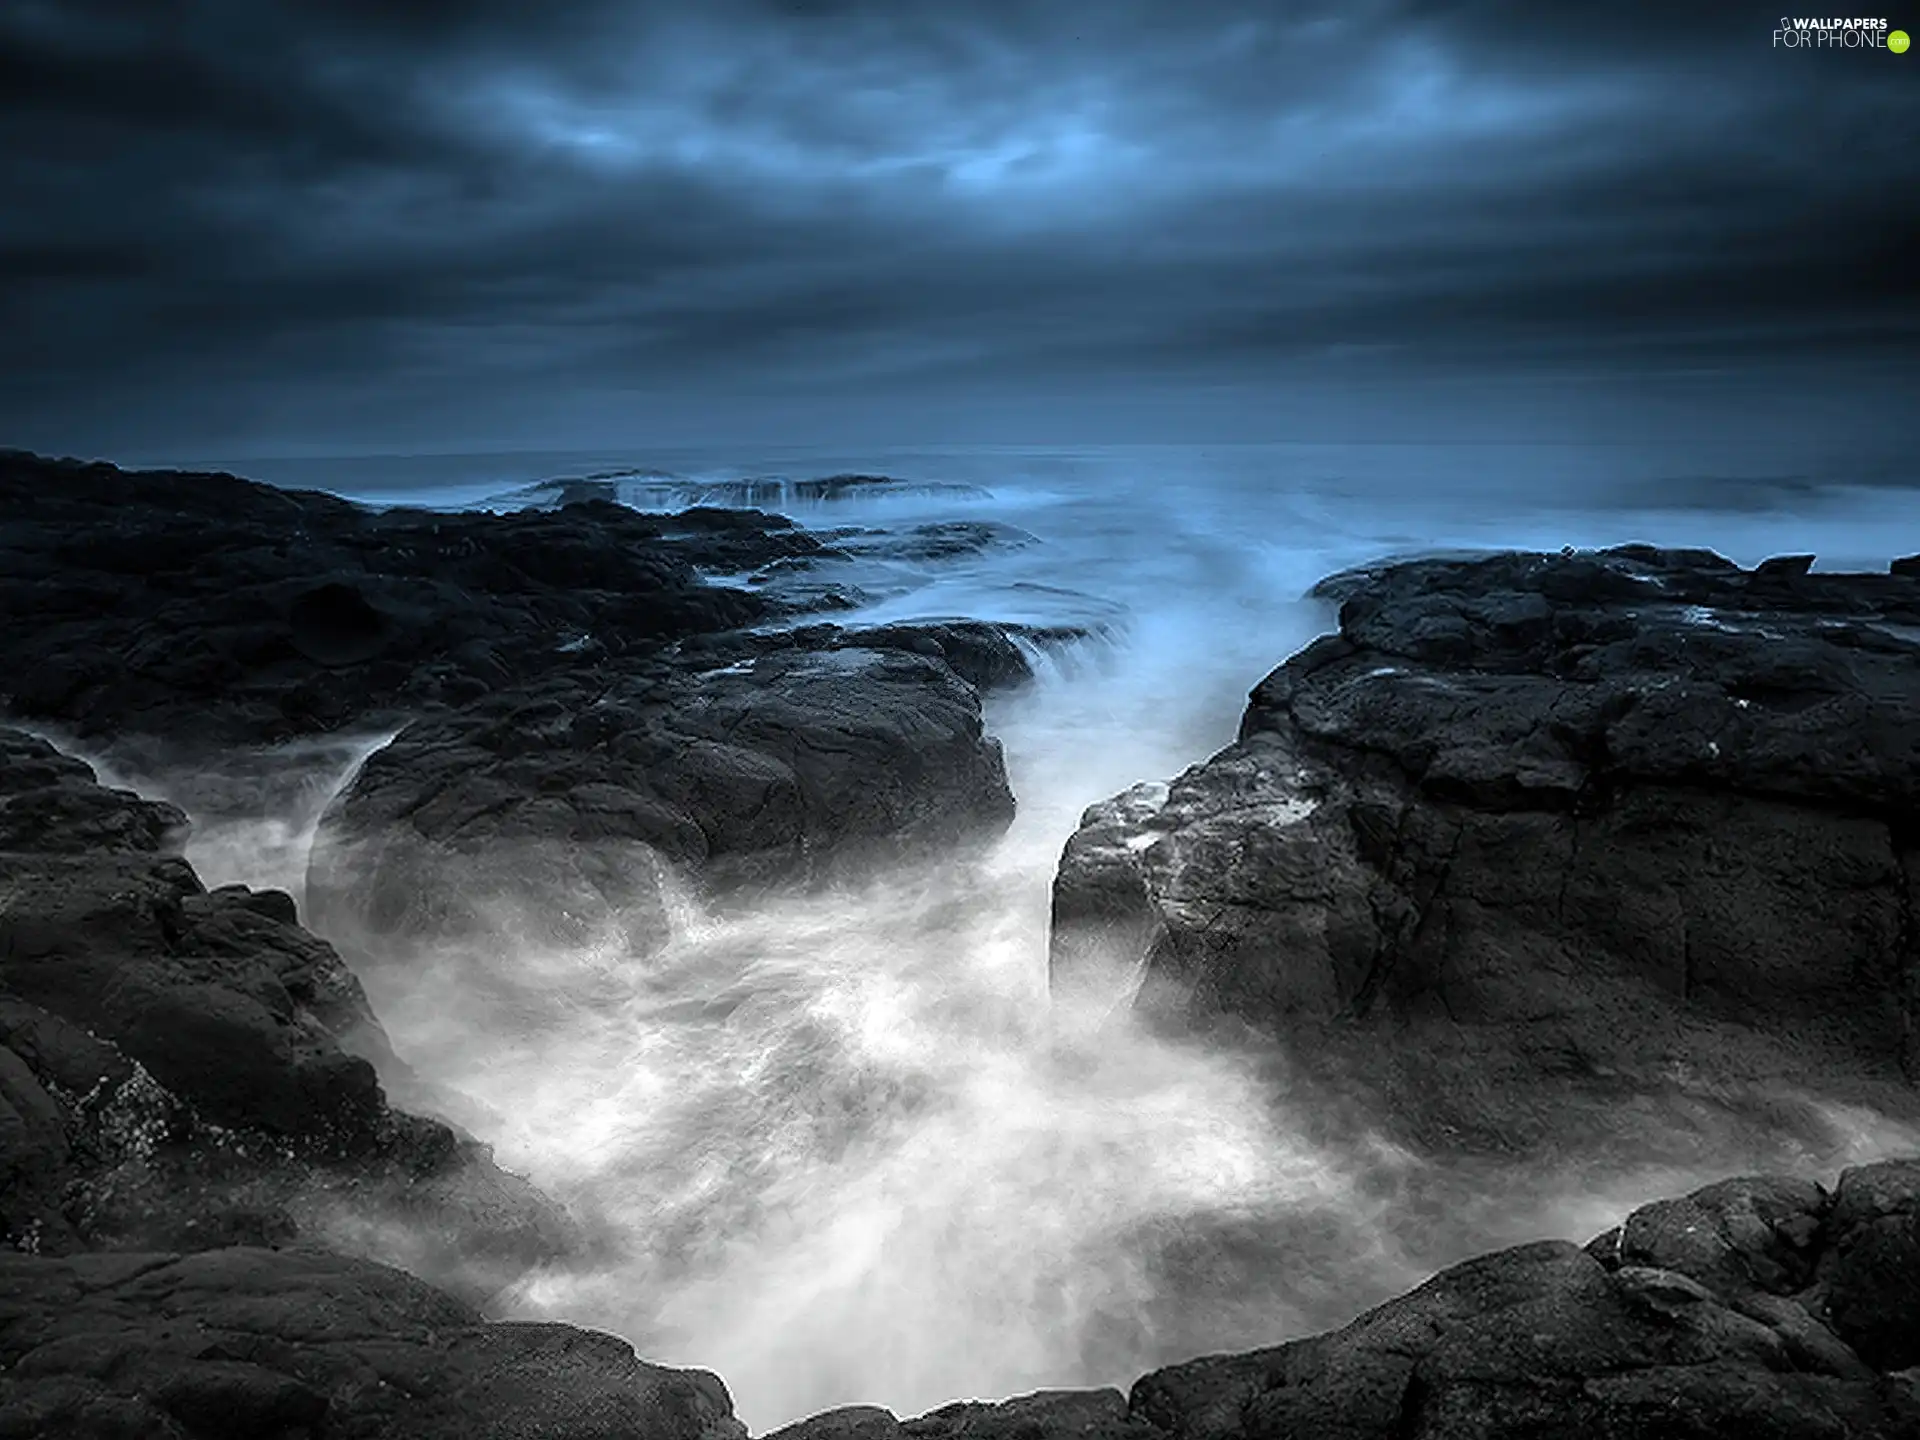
x: 1535, y: 842
x: 262, y: 1343
x: 571, y: 803
x: 562, y: 675
x: 181, y: 1068
x: 1761, y: 1307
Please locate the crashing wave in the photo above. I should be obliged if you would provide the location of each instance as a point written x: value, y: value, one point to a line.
x: 656, y: 490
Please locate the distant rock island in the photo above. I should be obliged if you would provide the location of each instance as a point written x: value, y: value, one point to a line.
x: 1532, y: 841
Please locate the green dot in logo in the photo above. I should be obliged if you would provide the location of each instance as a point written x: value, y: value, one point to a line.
x: 1897, y: 41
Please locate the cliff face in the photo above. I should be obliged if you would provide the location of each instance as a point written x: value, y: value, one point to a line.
x: 1536, y: 840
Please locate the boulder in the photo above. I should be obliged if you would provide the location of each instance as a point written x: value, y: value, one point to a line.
x: 1534, y: 842
x: 227, y: 1005
x: 574, y: 804
x: 1869, y: 1276
x: 1696, y: 1318
x: 254, y: 1342
x: 1045, y: 1415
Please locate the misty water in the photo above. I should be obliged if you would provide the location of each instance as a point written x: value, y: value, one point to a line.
x: 840, y: 1147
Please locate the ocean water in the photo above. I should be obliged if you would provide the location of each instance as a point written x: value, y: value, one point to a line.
x: 842, y: 1148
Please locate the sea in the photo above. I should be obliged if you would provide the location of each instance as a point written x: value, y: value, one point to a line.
x: 841, y: 1148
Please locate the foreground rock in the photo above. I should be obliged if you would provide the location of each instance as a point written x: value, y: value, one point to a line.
x: 259, y: 1343
x: 182, y: 1068
x: 1765, y: 1307
x: 1535, y: 840
x: 1761, y: 1307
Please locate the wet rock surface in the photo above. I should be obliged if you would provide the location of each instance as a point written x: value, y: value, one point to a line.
x: 572, y: 803
x: 557, y: 676
x: 263, y: 1343
x: 1537, y: 847
x: 214, y: 611
x: 1762, y: 1306
x: 183, y: 1068
x: 1730, y: 1311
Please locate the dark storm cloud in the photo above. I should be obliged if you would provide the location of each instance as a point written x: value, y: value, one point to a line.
x: 249, y: 217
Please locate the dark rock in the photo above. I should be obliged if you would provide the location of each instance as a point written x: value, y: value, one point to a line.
x: 1870, y: 1275
x: 336, y: 625
x: 571, y: 803
x: 34, y: 1151
x: 60, y: 1052
x: 1735, y: 1237
x: 214, y: 612
x: 1538, y: 844
x: 986, y: 656
x: 588, y: 708
x: 184, y: 1068
x: 249, y: 1342
x: 1547, y: 1339
x: 942, y: 540
x: 850, y: 1422
x: 1784, y: 566
x: 50, y: 805
x: 656, y: 491
x: 1054, y: 1414
x: 240, y: 1014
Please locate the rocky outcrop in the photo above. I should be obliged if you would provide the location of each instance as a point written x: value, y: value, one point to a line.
x: 1757, y: 1307
x: 560, y: 677
x: 1534, y: 841
x: 1763, y: 1307
x: 257, y: 1343
x: 573, y: 803
x: 181, y: 1068
x: 214, y: 611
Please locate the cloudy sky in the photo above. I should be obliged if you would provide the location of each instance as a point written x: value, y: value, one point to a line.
x: 312, y: 223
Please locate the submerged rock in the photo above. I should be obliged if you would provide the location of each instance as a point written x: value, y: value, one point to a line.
x: 1534, y: 840
x: 654, y: 490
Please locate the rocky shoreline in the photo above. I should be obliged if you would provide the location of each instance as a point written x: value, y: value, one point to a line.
x: 1492, y: 759
x: 1534, y: 844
